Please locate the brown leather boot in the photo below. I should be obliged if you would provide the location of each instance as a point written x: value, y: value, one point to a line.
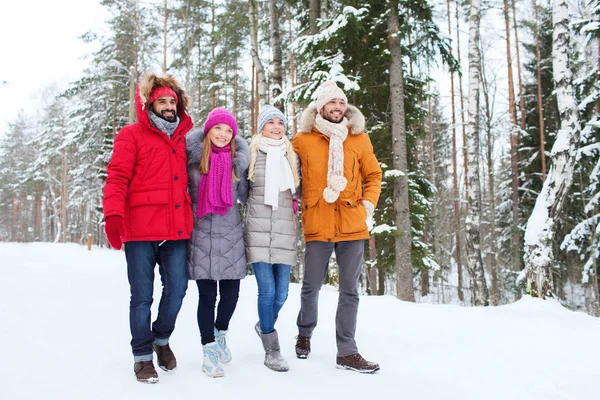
x: 355, y: 362
x: 145, y: 372
x: 302, y: 346
x: 166, y: 358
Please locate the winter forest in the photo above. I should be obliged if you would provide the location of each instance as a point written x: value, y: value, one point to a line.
x: 483, y: 116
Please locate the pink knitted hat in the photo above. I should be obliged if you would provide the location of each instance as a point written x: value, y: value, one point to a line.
x: 220, y: 116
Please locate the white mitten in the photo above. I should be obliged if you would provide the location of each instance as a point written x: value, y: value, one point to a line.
x: 370, y: 209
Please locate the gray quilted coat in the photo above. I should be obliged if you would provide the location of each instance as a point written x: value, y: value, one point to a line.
x: 270, y: 236
x: 216, y: 248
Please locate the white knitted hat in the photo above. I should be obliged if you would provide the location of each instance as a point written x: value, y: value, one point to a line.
x: 327, y: 92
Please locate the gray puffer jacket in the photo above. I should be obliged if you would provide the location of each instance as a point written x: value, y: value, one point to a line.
x: 270, y: 235
x: 216, y: 248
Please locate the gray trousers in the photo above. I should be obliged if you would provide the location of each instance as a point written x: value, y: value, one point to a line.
x: 349, y: 257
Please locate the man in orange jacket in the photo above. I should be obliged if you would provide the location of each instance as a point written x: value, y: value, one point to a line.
x: 147, y: 207
x: 341, y: 183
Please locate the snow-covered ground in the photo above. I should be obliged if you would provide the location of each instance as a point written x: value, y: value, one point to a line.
x: 64, y: 334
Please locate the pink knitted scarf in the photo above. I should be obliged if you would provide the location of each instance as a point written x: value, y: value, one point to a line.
x: 215, y: 189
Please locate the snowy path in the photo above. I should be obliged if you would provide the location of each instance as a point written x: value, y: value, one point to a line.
x: 65, y: 335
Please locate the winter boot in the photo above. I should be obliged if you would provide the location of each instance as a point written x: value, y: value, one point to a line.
x: 355, y: 362
x: 273, y: 358
x: 257, y: 326
x: 211, y: 365
x: 166, y: 358
x: 302, y: 346
x: 224, y: 353
x: 145, y: 372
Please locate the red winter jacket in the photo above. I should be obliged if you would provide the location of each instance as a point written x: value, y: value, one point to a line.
x: 147, y: 179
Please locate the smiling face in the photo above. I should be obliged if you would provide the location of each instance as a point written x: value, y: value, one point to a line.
x: 220, y: 135
x: 334, y: 110
x: 165, y: 107
x: 273, y: 129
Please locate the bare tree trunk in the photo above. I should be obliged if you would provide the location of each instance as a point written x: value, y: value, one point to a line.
x: 538, y: 68
x: 462, y: 107
x: 479, y: 292
x: 461, y: 296
x: 381, y: 279
x: 324, y: 9
x: 404, y: 281
x: 371, y: 269
x: 493, y: 265
x: 519, y: 75
x: 314, y: 12
x: 165, y: 38
x: 213, y: 45
x: 262, y: 83
x: 292, y: 72
x: 63, y: 196
x: 513, y: 146
x: 132, y: 82
x: 540, y: 226
x: 277, y: 86
x: 253, y: 112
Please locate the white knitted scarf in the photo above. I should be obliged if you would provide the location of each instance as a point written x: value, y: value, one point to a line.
x: 278, y: 173
x: 337, y: 134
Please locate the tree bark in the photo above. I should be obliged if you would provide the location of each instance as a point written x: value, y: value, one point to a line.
x: 539, y: 234
x: 277, y: 86
x: 262, y: 82
x: 292, y: 72
x: 314, y: 12
x: 519, y: 75
x: 479, y: 291
x: 165, y: 38
x: 513, y: 146
x: 493, y: 265
x: 462, y: 107
x: 403, y: 241
x: 324, y: 12
x: 461, y: 296
x: 538, y: 68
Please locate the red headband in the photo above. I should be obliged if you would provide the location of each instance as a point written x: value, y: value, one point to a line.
x: 162, y: 91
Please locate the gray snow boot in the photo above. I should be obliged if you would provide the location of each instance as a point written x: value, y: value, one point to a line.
x: 273, y: 358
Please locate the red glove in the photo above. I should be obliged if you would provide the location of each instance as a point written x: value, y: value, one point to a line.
x: 114, y: 228
x: 295, y: 205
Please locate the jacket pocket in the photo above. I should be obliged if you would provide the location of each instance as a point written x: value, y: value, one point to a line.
x: 149, y: 213
x: 353, y: 217
x: 310, y: 213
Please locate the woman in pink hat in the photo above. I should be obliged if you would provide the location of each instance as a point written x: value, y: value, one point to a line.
x: 217, y: 168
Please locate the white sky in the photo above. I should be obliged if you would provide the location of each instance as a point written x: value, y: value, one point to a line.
x: 40, y: 48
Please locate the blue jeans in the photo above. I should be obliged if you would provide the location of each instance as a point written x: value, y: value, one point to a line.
x: 273, y: 281
x: 142, y: 257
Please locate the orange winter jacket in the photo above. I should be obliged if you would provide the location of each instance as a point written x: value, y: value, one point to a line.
x: 345, y: 219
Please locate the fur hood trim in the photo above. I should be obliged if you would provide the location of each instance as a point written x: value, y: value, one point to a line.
x: 194, y: 142
x: 356, y: 120
x: 151, y: 80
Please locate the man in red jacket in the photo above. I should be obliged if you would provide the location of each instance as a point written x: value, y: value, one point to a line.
x: 147, y: 207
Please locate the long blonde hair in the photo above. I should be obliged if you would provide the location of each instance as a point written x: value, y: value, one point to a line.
x: 205, y: 158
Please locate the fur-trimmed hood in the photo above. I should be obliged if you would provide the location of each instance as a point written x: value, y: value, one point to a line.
x: 356, y: 120
x: 151, y: 80
x: 194, y: 142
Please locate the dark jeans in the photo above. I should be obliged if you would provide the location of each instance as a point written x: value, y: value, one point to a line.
x: 142, y: 257
x: 229, y: 291
x: 273, y: 281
